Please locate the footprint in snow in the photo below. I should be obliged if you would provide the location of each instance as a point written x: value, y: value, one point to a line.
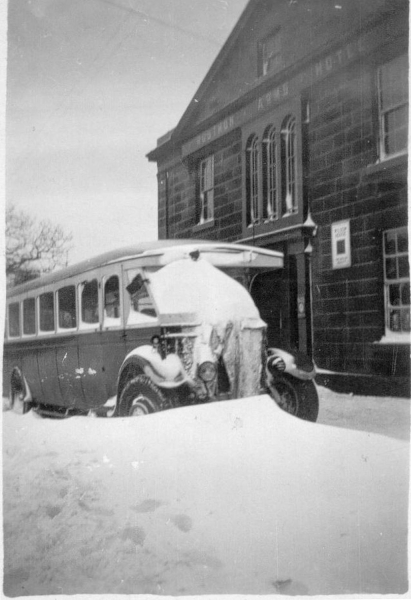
x: 148, y: 505
x: 135, y: 534
x: 182, y: 522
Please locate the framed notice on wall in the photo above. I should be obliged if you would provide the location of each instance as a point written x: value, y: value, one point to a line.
x: 341, y: 244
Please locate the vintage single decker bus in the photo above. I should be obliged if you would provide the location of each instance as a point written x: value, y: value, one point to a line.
x: 146, y: 328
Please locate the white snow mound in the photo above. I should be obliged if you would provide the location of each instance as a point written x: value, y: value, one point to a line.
x: 235, y: 497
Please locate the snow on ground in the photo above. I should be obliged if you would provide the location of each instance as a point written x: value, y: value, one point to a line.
x: 383, y: 415
x: 232, y: 497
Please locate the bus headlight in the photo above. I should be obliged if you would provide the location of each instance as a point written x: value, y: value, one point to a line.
x: 207, y: 371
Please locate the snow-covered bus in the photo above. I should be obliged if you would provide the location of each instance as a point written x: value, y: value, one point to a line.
x: 145, y: 328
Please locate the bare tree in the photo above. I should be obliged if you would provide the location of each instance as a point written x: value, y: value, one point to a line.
x: 33, y: 248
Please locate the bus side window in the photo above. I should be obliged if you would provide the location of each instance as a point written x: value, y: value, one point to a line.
x: 29, y: 316
x: 89, y: 302
x: 46, y: 310
x: 112, y: 301
x: 14, y: 319
x: 141, y: 305
x: 66, y: 297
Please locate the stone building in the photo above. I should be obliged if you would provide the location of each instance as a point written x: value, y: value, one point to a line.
x: 297, y: 140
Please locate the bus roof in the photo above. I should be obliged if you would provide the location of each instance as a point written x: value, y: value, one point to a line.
x: 159, y: 253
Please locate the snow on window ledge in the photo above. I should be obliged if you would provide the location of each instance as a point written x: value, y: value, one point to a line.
x: 204, y: 225
x: 391, y: 337
x: 388, y: 162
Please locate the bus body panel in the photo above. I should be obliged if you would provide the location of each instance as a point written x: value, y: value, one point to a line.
x: 47, y: 364
x: 30, y: 369
x: 140, y: 336
x: 68, y: 372
x: 95, y: 362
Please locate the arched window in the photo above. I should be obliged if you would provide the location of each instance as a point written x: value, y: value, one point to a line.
x: 288, y: 166
x: 252, y: 159
x: 269, y: 160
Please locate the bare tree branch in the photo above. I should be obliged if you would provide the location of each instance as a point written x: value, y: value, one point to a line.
x: 33, y: 248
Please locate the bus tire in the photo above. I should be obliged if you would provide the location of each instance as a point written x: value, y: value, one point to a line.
x: 18, y: 391
x: 139, y: 397
x: 297, y: 397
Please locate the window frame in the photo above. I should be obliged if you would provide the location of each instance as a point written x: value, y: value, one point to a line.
x: 23, y: 334
x: 390, y: 334
x: 263, y: 69
x: 112, y: 322
x: 19, y: 335
x: 61, y: 329
x: 382, y: 112
x: 43, y: 332
x: 205, y: 192
x: 84, y: 325
x: 273, y: 120
x: 134, y: 318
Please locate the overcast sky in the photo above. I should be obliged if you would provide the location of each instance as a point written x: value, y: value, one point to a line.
x: 91, y: 85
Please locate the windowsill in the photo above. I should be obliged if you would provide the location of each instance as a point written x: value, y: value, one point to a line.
x: 394, y: 162
x: 394, y: 338
x: 202, y: 226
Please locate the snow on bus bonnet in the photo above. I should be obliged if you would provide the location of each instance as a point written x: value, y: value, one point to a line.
x: 229, y: 321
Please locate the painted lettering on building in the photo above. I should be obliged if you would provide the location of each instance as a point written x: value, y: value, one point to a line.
x: 273, y: 96
x: 337, y: 59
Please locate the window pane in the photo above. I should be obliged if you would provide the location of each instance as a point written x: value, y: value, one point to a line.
x: 395, y: 320
x: 288, y: 166
x: 269, y: 160
x: 397, y: 281
x: 391, y: 268
x: 394, y: 77
x: 405, y: 294
x: 141, y: 307
x: 390, y: 243
x: 403, y: 267
x: 394, y: 294
x: 402, y: 241
x: 206, y: 203
x: 14, y: 319
x: 89, y: 302
x: 112, y: 298
x: 29, y: 316
x: 47, y: 312
x: 67, y: 307
x: 393, y: 105
x: 405, y: 320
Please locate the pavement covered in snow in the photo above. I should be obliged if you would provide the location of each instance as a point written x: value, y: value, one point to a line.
x: 235, y: 497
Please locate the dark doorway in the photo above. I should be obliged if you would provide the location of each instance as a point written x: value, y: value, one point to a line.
x: 275, y: 295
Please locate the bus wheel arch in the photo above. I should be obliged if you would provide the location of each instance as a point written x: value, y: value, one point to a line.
x: 19, y: 394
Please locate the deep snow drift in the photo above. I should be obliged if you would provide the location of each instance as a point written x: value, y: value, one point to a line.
x: 231, y: 497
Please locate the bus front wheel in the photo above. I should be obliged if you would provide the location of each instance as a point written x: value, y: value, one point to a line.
x: 140, y: 397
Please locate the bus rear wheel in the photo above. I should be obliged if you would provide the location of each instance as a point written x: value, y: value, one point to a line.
x: 18, y: 393
x: 140, y: 397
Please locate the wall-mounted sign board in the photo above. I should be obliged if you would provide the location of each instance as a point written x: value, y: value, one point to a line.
x: 341, y: 244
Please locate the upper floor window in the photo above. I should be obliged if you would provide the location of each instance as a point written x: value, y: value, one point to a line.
x: 252, y: 179
x: 206, y: 189
x: 288, y: 166
x: 397, y: 281
x: 393, y: 107
x: 269, y: 54
x: 270, y: 176
x: 272, y: 183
